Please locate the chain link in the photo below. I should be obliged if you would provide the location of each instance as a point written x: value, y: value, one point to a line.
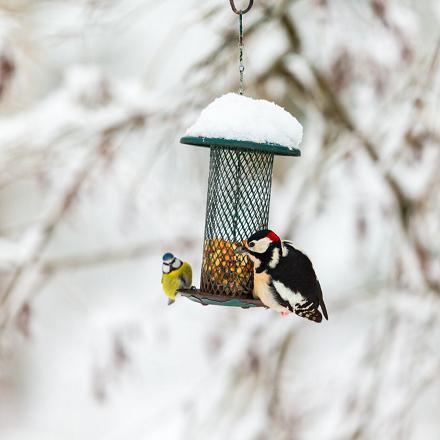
x: 241, y: 11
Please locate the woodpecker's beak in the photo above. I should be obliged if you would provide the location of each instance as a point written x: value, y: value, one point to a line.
x: 240, y: 250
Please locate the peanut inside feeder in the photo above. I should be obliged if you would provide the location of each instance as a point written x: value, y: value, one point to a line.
x: 228, y: 273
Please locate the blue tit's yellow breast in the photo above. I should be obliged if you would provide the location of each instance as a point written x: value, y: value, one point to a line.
x: 170, y: 283
x: 177, y: 279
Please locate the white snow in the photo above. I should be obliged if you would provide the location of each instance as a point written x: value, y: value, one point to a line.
x: 238, y: 117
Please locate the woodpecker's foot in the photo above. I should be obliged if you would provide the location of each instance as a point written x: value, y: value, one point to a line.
x: 284, y: 314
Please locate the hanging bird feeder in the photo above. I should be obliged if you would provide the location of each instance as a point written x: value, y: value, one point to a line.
x: 243, y: 136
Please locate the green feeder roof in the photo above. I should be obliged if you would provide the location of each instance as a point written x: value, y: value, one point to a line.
x: 266, y: 147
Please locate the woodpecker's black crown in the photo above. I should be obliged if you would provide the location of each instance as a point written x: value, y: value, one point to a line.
x: 263, y: 233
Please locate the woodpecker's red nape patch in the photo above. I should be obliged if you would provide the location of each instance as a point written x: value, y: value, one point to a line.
x: 272, y: 236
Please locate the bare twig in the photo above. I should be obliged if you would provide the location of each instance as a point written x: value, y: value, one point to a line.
x: 335, y: 109
x: 111, y: 256
x: 48, y: 227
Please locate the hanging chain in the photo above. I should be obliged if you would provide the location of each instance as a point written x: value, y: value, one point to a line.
x: 240, y: 46
x: 241, y: 12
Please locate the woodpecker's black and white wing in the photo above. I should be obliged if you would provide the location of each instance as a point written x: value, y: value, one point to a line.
x: 294, y: 279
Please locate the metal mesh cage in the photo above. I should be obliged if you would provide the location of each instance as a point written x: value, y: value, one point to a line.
x: 240, y: 180
x: 238, y: 202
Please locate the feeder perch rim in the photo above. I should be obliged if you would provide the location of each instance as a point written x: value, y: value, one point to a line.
x: 266, y: 147
x: 206, y: 299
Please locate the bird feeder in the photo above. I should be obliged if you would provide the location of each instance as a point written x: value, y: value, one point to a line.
x: 243, y: 136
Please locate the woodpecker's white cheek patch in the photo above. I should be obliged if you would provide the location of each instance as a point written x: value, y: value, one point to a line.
x: 275, y: 258
x: 294, y: 298
x: 262, y: 245
x: 285, y: 250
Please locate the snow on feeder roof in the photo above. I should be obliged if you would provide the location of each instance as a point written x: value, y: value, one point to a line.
x: 235, y: 120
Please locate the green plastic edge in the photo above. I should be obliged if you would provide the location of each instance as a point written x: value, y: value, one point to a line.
x: 276, y: 149
x: 228, y: 303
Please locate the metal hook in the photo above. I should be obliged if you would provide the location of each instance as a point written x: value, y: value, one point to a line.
x: 241, y: 11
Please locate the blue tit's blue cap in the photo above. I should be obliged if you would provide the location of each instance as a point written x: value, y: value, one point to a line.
x: 168, y: 257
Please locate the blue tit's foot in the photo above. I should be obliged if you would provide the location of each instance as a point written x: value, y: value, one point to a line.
x: 171, y: 301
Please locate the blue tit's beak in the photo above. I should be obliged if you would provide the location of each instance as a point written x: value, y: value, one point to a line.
x: 240, y: 250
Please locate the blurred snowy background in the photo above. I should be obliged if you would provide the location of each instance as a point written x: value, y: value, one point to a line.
x: 94, y: 187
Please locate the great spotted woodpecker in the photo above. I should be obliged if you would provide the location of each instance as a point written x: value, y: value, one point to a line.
x: 284, y: 278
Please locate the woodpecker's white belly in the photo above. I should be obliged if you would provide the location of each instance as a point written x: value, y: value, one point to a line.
x: 263, y: 291
x: 294, y: 298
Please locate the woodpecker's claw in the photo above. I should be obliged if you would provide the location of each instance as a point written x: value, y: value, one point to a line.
x: 284, y: 314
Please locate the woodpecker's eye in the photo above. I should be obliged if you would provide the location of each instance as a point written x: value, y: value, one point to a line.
x: 251, y: 244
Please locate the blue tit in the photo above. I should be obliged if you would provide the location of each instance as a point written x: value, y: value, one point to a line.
x: 176, y: 274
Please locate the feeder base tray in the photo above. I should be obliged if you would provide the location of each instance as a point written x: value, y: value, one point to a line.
x: 219, y: 300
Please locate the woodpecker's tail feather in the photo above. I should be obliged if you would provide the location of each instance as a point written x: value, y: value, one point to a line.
x: 312, y: 314
x: 323, y: 308
x: 321, y: 301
